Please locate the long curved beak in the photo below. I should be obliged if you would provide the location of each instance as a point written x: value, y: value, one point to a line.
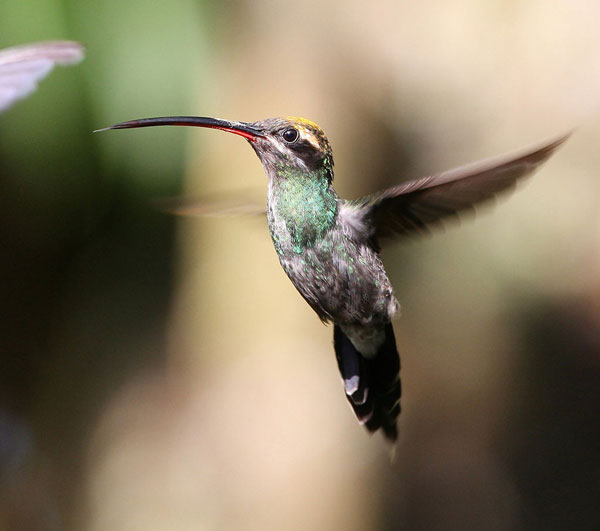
x: 239, y: 128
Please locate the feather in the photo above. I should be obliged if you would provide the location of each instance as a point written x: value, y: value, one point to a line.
x: 414, y: 206
x: 230, y: 204
x: 372, y: 384
x: 21, y: 67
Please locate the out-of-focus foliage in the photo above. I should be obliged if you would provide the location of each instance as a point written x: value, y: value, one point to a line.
x: 164, y: 374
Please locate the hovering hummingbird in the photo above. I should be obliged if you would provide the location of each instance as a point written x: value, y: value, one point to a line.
x: 21, y: 67
x: 329, y: 247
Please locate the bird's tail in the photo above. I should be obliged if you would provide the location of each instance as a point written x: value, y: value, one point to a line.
x: 372, y: 384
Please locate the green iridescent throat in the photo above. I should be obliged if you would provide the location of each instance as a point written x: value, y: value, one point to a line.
x: 307, y: 204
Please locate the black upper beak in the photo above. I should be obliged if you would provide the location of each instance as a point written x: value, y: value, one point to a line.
x: 239, y: 128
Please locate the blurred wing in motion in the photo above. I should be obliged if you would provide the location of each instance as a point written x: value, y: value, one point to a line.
x: 230, y: 204
x: 22, y: 67
x: 414, y: 206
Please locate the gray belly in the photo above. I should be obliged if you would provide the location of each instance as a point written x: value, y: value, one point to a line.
x: 343, y: 281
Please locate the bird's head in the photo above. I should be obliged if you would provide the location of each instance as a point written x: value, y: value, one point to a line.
x: 293, y: 143
x: 282, y: 144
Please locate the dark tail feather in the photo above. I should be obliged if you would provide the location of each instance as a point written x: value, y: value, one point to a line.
x: 372, y: 385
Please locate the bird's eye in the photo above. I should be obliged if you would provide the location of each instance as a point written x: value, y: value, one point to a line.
x: 290, y: 135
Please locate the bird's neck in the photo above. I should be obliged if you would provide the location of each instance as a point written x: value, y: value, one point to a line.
x: 302, y: 207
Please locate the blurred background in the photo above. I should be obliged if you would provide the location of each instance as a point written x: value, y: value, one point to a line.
x: 163, y: 373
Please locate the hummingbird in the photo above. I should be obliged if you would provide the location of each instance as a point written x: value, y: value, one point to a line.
x: 329, y: 247
x: 21, y: 67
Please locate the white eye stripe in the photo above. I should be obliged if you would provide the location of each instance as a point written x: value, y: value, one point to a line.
x: 309, y: 137
x: 313, y: 141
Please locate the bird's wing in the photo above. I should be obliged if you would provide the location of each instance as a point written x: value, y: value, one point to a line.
x: 230, y: 204
x: 414, y: 206
x: 22, y: 67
